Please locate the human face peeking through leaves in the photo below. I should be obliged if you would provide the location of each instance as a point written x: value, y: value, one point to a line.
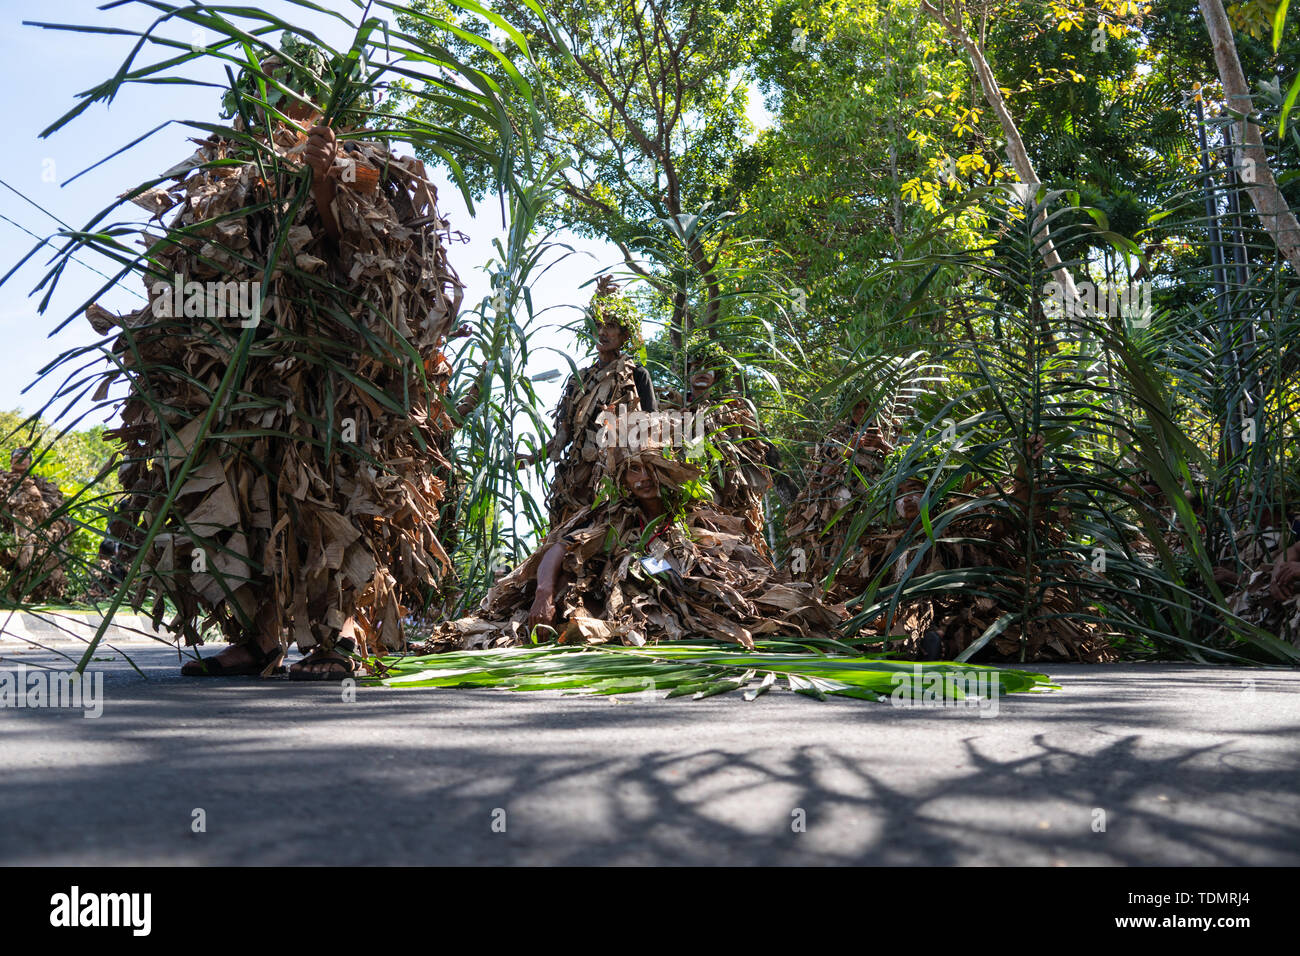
x: 643, y: 485
x: 908, y: 504
x: 702, y: 379
x: 610, y: 339
x: 655, y: 484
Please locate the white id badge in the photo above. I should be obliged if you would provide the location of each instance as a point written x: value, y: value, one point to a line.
x: 655, y: 565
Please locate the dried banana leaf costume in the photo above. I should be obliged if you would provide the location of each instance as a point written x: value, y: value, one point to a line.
x: 31, y: 544
x: 693, y: 575
x: 1252, y: 600
x: 989, y: 548
x: 947, y: 620
x: 316, y: 498
x: 1058, y: 630
x: 739, y: 477
x: 576, y: 448
x: 836, y: 477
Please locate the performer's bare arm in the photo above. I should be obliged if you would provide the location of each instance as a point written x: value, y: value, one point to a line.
x: 1283, y: 581
x: 1286, y: 574
x: 548, y: 577
x: 532, y: 457
x: 319, y: 155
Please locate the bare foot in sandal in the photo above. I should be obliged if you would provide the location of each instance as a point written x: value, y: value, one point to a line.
x: 248, y: 659
x: 259, y: 654
x: 320, y: 664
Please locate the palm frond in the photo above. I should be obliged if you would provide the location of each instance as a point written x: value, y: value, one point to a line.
x: 704, y: 670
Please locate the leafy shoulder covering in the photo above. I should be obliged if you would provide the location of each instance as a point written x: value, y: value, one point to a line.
x: 586, y: 396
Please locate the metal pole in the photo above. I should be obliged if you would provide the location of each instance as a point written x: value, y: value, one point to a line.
x: 1251, y: 394
x: 1232, y: 430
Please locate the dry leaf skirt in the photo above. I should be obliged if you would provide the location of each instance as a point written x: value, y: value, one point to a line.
x: 719, y: 588
x: 740, y: 478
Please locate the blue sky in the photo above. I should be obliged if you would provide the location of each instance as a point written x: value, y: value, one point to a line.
x: 41, y: 71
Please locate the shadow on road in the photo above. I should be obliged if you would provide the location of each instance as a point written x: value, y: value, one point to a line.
x: 291, y: 774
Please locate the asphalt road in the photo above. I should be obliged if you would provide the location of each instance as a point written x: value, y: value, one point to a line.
x: 1185, y: 765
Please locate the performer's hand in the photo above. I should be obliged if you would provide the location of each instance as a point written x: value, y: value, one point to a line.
x: 542, y: 611
x: 468, y: 403
x: 319, y: 155
x: 1225, y: 577
x: 873, y: 439
x: 319, y: 152
x: 1286, y: 579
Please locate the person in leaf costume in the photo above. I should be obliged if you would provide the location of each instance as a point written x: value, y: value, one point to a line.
x: 1266, y: 591
x: 821, y: 518
x: 653, y: 561
x: 740, y: 458
x: 614, y: 379
x: 980, y: 534
x: 311, y: 514
x: 31, y: 539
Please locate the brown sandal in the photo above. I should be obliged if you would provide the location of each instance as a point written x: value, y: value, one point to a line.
x: 211, y: 667
x: 339, y: 667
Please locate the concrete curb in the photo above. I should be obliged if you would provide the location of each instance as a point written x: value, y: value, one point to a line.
x: 65, y: 625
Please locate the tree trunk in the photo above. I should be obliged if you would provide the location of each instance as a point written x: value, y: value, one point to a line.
x: 1270, y: 205
x: 896, y: 201
x: 1016, y: 151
